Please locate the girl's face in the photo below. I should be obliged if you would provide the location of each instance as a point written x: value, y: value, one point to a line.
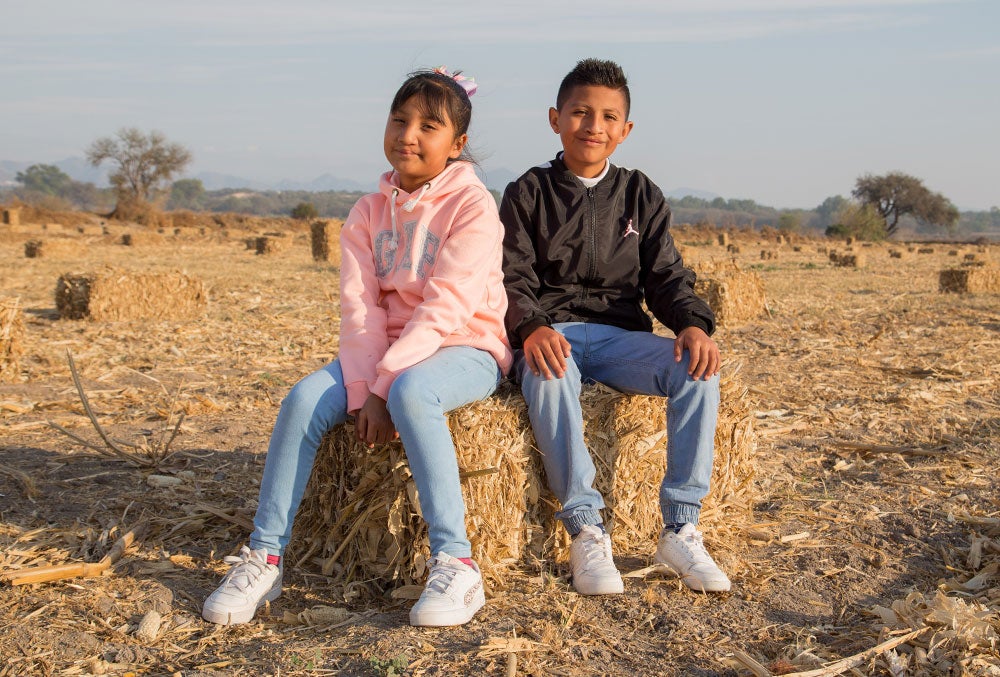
x: 417, y: 146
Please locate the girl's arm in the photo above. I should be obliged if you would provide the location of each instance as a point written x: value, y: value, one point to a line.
x: 363, y: 323
x: 456, y: 287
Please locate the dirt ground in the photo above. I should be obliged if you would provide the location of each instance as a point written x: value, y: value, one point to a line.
x: 877, y: 403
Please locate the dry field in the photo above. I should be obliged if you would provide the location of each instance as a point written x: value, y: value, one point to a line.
x: 873, y: 547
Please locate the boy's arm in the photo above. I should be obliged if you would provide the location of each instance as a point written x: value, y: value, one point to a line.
x: 667, y: 284
x: 524, y: 313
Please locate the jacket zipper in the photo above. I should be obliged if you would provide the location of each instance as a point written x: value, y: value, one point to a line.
x: 592, y: 268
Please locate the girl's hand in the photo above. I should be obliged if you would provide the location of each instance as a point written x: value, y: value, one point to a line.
x: 705, y: 357
x: 545, y: 351
x: 373, y: 424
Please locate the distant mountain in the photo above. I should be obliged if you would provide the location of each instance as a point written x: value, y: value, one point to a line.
x: 327, y: 182
x: 692, y: 192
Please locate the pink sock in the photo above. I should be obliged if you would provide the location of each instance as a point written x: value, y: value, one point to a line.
x: 468, y: 561
x: 274, y: 560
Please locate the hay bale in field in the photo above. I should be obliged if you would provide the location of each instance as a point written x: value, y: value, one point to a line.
x: 271, y: 244
x: 360, y: 514
x: 115, y: 294
x: 896, y: 254
x: 11, y: 338
x: 733, y: 248
x: 970, y: 257
x: 62, y: 248
x: 734, y: 295
x: 952, y: 252
x: 359, y: 519
x: 797, y: 248
x: 977, y: 280
x: 141, y: 238
x: 723, y: 239
x: 926, y: 250
x: 12, y: 217
x: 768, y: 255
x: 325, y: 238
x: 850, y: 261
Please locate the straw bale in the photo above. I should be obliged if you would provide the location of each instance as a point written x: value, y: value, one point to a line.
x: 12, y: 217
x: 981, y: 280
x: 11, y: 338
x: 767, y: 254
x: 115, y: 294
x: 849, y: 261
x: 360, y: 519
x: 325, y: 236
x: 141, y: 238
x: 724, y: 239
x: 897, y: 254
x: 271, y: 244
x: 952, y: 252
x: 734, y: 295
x: 926, y: 250
x: 971, y: 257
x: 360, y: 514
x: 626, y: 435
x: 57, y: 248
x: 733, y: 248
x: 797, y: 248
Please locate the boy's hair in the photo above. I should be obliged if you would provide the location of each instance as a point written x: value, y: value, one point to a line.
x: 594, y: 73
x: 439, y: 98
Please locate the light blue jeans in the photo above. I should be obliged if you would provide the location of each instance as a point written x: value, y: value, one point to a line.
x: 631, y: 362
x: 418, y: 401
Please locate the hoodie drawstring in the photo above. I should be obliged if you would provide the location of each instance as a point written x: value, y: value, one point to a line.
x: 408, y: 206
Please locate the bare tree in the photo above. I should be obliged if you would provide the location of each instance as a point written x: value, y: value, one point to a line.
x: 143, y: 163
x: 896, y: 194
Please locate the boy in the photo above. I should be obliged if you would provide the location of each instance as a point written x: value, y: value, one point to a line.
x: 585, y: 244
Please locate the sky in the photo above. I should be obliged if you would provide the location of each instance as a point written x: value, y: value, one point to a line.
x: 786, y: 102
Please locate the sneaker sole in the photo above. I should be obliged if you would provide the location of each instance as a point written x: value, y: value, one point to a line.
x: 239, y: 616
x: 443, y: 619
x: 606, y: 588
x: 694, y: 583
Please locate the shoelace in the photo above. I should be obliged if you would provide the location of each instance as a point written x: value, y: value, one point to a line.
x: 693, y: 542
x: 246, y: 571
x: 442, y: 576
x: 595, y: 549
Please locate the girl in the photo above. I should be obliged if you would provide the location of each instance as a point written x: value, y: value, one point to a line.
x: 421, y: 333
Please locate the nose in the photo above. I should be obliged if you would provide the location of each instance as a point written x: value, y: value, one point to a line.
x: 407, y: 133
x: 593, y: 124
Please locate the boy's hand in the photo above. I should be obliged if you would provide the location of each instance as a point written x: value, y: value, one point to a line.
x: 545, y: 351
x: 372, y: 423
x: 705, y: 357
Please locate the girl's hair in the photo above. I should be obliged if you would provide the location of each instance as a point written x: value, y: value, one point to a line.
x: 440, y: 98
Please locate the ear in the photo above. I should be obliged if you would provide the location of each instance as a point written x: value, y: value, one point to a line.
x: 458, y: 146
x: 554, y: 120
x: 626, y: 130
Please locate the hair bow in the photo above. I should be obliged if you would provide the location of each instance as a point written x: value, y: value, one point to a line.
x: 468, y: 84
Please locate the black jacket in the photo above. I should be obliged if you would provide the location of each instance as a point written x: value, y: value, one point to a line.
x: 570, y: 254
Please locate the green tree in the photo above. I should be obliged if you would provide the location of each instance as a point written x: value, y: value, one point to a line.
x: 896, y: 194
x: 790, y: 222
x: 858, y: 220
x: 45, y: 179
x: 142, y: 163
x: 826, y: 212
x: 304, y: 211
x: 187, y: 194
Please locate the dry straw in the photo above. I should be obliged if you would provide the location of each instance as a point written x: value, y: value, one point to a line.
x: 271, y: 244
x: 971, y: 280
x: 11, y: 338
x: 734, y: 295
x: 360, y: 517
x: 325, y: 236
x: 60, y: 248
x: 114, y: 294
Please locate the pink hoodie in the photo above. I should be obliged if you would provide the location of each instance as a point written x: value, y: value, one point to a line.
x: 419, y: 272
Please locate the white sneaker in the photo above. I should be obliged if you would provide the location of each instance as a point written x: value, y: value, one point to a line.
x: 452, y: 596
x: 249, y: 584
x: 685, y: 553
x: 594, y: 571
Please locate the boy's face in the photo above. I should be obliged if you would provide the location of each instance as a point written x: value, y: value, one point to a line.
x: 591, y: 124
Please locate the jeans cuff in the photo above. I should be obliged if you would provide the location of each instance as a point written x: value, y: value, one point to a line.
x: 681, y: 514
x: 577, y: 521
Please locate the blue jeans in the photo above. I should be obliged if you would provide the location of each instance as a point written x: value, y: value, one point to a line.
x: 418, y: 401
x: 631, y: 362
